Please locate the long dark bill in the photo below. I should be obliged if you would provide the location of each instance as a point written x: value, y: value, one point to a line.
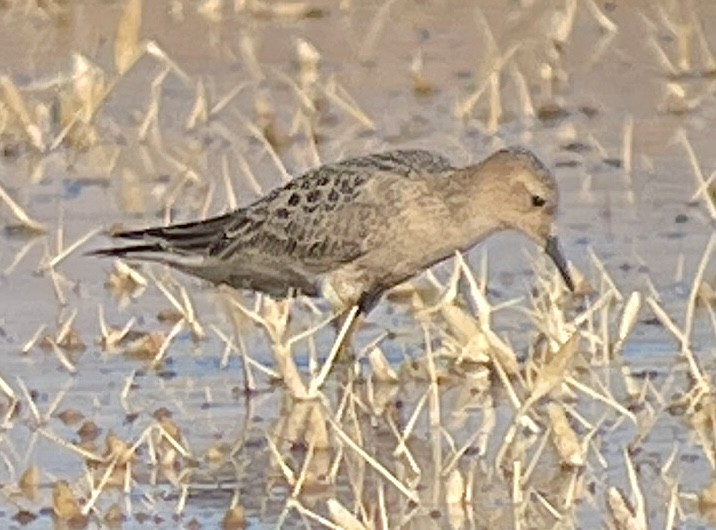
x: 553, y: 251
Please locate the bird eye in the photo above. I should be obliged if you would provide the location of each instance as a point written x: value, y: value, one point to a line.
x: 537, y: 201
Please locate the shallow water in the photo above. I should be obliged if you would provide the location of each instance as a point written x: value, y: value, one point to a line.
x: 644, y: 225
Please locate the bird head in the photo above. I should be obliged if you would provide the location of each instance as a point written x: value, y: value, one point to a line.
x: 526, y: 200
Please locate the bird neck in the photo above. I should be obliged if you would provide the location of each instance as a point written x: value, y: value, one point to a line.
x: 475, y: 202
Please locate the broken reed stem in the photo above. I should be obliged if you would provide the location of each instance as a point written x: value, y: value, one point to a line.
x: 343, y: 335
x: 20, y: 214
x: 402, y: 488
x: 97, y: 491
x: 698, y: 173
x: 84, y: 453
x: 63, y: 254
x: 693, y: 296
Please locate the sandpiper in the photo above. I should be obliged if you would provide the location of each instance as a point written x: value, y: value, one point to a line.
x: 350, y: 230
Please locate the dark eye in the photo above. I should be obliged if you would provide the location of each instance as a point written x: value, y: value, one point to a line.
x: 537, y: 201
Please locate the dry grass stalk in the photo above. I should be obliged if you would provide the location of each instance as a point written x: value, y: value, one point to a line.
x: 266, y: 121
x: 565, y: 439
x: 200, y: 112
x: 259, y: 136
x: 250, y: 177
x: 308, y: 59
x: 228, y: 97
x: 702, y: 416
x: 305, y: 512
x: 382, y: 470
x: 150, y: 123
x: 627, y: 152
x: 552, y: 373
x: 304, y: 474
x: 154, y: 50
x: 662, y: 57
x: 164, y: 346
x: 628, y: 320
x: 274, y: 322
x: 248, y: 361
x: 563, y: 22
x: 234, y: 518
x: 73, y: 448
x: 62, y: 357
x: 125, y: 282
x: 707, y: 497
x: 112, y: 337
x: 21, y: 216
x: 184, y: 307
x: 536, y: 457
x: 247, y: 48
x: 79, y: 102
x: 493, y: 121
x: 22, y: 253
x: 289, y: 10
x: 552, y: 510
x: 523, y: 91
x: 16, y: 104
x: 466, y: 107
x: 29, y: 481
x: 606, y: 277
x: 517, y: 494
x: 375, y: 28
x: 624, y: 516
x: 306, y: 96
x: 65, y: 335
x: 64, y: 503
x: 707, y: 56
x: 455, y: 488
x: 472, y: 344
x: 127, y: 49
x: 499, y: 351
x: 64, y: 253
x: 57, y: 287
x: 665, y: 320
x: 187, y: 174
x: 514, y: 400
x: 697, y: 281
x: 317, y: 382
x: 339, y: 96
x: 6, y: 389
x: 402, y: 449
x: 278, y: 459
x: 316, y: 428
x: 685, y: 32
x: 605, y: 23
x: 383, y: 511
x: 676, y: 100
x: 701, y: 182
x: 683, y: 339
x: 608, y: 400
x: 132, y: 193
x: 422, y: 86
x: 126, y: 389
x: 381, y: 371
x: 229, y: 192
x: 97, y: 491
x: 342, y: 517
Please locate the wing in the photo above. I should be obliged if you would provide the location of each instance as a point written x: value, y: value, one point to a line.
x: 322, y: 218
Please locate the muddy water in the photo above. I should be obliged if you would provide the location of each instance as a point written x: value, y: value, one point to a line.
x: 643, y: 224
